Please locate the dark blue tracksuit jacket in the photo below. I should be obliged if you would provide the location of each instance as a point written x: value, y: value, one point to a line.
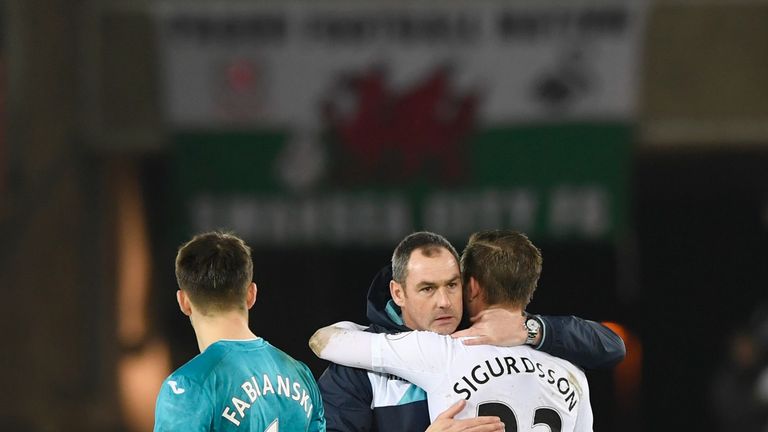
x: 357, y: 400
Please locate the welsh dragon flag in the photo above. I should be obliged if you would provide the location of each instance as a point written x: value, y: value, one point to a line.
x: 354, y: 123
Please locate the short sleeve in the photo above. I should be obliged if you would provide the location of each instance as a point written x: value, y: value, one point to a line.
x: 183, y: 405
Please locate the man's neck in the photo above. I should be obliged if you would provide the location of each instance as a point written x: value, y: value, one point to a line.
x: 514, y: 309
x: 229, y: 325
x: 482, y: 305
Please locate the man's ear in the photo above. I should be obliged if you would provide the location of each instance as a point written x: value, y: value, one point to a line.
x: 250, y: 297
x: 397, y: 292
x: 184, y: 303
x: 473, y: 289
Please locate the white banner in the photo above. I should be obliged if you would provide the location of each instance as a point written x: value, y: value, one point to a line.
x: 274, y: 64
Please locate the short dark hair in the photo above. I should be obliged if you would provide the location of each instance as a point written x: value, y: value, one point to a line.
x: 215, y: 269
x: 427, y: 242
x: 506, y: 265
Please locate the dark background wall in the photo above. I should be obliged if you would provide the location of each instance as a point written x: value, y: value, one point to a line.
x: 702, y: 246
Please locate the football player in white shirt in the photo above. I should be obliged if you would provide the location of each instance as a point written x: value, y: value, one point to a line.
x: 526, y: 388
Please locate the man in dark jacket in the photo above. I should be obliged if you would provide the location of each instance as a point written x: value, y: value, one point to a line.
x: 358, y: 400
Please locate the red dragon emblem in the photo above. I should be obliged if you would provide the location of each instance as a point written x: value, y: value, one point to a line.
x: 391, y: 137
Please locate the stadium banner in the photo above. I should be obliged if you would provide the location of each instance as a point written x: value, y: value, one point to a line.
x: 354, y: 123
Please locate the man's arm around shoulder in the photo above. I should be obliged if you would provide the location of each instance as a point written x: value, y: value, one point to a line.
x: 585, y: 343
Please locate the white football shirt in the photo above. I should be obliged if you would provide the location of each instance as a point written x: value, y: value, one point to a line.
x: 524, y: 387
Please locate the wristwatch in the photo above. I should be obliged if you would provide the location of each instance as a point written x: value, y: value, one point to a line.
x: 533, y: 326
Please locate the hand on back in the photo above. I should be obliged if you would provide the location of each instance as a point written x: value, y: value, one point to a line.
x: 495, y: 326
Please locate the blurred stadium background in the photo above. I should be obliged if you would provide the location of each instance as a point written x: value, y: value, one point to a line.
x: 628, y: 138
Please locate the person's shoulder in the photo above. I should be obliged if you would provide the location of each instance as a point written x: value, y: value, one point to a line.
x: 277, y: 352
x: 187, y: 383
x: 186, y: 390
x: 197, y: 369
x: 202, y: 366
x: 207, y: 360
x: 286, y: 358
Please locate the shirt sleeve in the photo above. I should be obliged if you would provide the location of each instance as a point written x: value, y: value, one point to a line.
x: 585, y: 343
x: 416, y: 356
x: 343, y: 344
x: 183, y: 405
